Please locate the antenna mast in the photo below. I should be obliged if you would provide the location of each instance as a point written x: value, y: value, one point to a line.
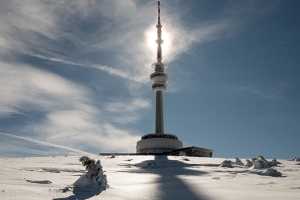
x: 159, y: 41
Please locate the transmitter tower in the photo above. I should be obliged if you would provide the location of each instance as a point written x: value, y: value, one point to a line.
x: 159, y: 141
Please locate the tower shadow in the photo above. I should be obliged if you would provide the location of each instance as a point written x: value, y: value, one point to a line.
x: 169, y: 185
x: 80, y: 195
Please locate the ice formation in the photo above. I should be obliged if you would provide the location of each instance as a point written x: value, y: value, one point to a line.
x: 226, y: 163
x: 271, y: 172
x: 94, y: 179
x: 249, y: 163
x: 260, y: 163
x: 296, y: 159
x: 238, y: 161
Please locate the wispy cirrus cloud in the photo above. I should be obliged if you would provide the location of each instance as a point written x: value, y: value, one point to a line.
x: 47, y: 30
x: 120, y: 110
x: 55, y: 27
x: 66, y: 106
x: 109, y: 70
x: 264, y: 92
x: 43, y: 143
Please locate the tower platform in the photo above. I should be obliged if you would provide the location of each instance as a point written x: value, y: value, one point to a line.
x: 158, y: 143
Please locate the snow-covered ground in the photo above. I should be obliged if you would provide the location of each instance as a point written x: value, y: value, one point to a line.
x: 148, y: 177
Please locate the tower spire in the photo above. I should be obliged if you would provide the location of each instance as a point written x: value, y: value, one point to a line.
x: 159, y: 41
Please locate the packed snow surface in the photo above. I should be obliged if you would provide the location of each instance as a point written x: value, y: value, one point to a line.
x: 149, y: 177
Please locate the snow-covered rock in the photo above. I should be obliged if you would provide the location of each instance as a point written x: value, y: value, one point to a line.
x: 260, y: 163
x: 260, y: 157
x: 94, y: 179
x: 254, y: 159
x: 248, y: 164
x: 238, y: 161
x: 271, y: 172
x: 226, y: 163
x: 296, y: 159
x: 274, y: 162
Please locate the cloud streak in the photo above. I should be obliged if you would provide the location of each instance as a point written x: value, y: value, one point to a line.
x: 109, y: 70
x: 47, y: 144
x: 266, y: 93
x: 65, y: 105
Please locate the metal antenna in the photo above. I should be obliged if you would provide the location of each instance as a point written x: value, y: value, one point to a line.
x: 159, y: 41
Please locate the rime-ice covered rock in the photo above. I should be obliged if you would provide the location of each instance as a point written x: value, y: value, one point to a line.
x: 296, y: 159
x: 260, y: 157
x: 274, y: 162
x: 94, y: 179
x: 253, y: 159
x: 238, y: 161
x: 271, y: 172
x: 248, y: 164
x: 226, y: 163
x: 260, y: 163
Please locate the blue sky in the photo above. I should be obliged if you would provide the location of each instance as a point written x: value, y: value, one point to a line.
x: 74, y: 75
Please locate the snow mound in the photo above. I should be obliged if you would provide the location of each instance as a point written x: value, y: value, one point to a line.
x: 271, y: 172
x: 147, y: 164
x: 226, y: 163
x: 94, y: 179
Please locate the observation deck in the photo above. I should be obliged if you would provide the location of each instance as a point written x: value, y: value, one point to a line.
x: 158, y: 143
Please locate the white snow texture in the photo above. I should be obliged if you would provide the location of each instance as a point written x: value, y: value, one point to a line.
x: 148, y: 177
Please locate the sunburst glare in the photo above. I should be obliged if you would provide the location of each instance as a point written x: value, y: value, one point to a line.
x: 151, y: 36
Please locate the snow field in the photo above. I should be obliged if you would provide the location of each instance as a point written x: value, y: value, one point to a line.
x: 148, y: 177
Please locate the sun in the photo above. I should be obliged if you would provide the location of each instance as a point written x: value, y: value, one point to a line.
x: 151, y: 36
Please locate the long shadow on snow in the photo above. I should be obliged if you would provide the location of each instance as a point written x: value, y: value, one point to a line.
x: 170, y: 186
x: 80, y: 195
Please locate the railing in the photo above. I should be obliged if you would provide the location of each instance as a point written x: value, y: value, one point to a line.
x: 159, y: 75
x: 157, y: 85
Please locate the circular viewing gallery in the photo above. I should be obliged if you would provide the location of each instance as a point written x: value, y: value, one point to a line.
x: 158, y: 143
